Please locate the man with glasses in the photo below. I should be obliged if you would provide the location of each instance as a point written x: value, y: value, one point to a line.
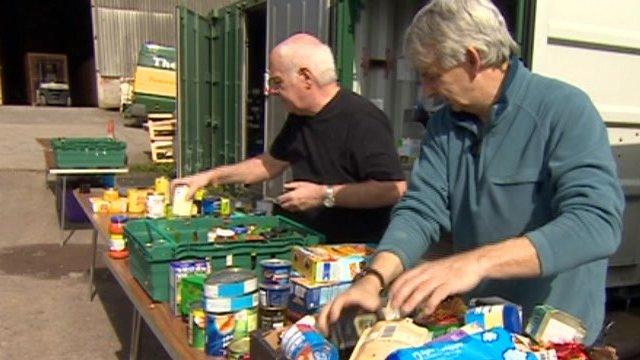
x: 516, y: 167
x: 346, y: 171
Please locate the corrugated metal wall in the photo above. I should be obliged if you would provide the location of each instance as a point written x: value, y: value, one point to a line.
x: 121, y: 26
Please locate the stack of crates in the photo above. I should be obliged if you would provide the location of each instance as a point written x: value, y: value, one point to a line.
x: 153, y: 244
x: 89, y: 153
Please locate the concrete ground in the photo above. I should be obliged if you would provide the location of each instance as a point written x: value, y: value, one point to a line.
x: 44, y: 294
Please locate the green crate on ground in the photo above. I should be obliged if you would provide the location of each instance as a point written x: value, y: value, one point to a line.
x: 153, y: 244
x: 89, y: 153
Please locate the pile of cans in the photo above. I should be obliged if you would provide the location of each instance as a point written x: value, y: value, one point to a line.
x: 227, y: 312
x: 275, y: 289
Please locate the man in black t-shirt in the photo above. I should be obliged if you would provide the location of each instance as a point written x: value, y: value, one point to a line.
x: 340, y: 147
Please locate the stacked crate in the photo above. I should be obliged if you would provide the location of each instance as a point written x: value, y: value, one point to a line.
x: 162, y: 130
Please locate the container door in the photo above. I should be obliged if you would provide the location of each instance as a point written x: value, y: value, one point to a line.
x: 284, y: 18
x: 228, y: 78
x: 195, y: 130
x: 210, y: 52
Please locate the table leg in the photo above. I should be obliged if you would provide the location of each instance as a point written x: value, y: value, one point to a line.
x: 92, y: 270
x: 63, y: 203
x: 136, y: 324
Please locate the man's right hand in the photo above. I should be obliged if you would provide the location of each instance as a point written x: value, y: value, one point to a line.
x: 194, y: 182
x: 364, y: 293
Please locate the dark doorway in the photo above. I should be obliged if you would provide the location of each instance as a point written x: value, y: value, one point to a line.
x: 56, y: 27
x: 256, y: 19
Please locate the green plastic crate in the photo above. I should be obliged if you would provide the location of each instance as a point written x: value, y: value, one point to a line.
x: 155, y: 243
x: 89, y: 153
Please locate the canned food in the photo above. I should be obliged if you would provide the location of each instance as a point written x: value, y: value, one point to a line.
x: 222, y: 329
x: 275, y: 271
x: 225, y: 207
x: 197, y: 325
x: 272, y: 318
x: 274, y: 296
x: 239, y: 349
x: 137, y: 200
x: 230, y: 282
x: 181, y: 203
x: 161, y: 186
x: 230, y: 304
x: 110, y: 195
x: 302, y: 339
x: 155, y: 206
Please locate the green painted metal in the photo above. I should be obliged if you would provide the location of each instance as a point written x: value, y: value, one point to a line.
x: 157, y: 56
x: 348, y: 12
x: 156, y: 104
x: 195, y: 89
x: 228, y: 48
x: 524, y: 28
x: 209, y: 88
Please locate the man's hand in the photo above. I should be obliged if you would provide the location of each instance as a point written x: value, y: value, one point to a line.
x: 194, y: 182
x: 431, y: 282
x: 301, y: 195
x: 365, y: 294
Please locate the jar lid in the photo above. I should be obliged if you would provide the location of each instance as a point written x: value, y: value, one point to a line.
x: 119, y: 219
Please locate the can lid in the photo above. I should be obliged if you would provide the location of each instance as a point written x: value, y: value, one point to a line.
x: 275, y: 287
x: 239, y: 346
x: 119, y: 219
x: 230, y: 275
x: 275, y: 262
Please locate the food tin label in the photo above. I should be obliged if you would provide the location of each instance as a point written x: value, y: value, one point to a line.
x: 137, y: 200
x: 274, y: 296
x: 181, y: 204
x: 232, y: 304
x: 197, y: 326
x: 276, y: 271
x: 231, y: 289
x: 239, y: 348
x: 225, y: 207
x: 155, y: 206
x: 222, y: 329
x: 272, y: 318
x: 161, y: 186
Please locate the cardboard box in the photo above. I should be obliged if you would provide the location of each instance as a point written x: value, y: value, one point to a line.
x: 265, y: 345
x: 177, y: 271
x: 330, y: 263
x: 312, y: 296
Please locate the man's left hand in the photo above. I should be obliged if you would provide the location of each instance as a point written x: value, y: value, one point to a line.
x: 431, y: 282
x: 301, y: 195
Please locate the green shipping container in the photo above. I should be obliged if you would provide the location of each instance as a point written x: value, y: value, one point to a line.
x: 153, y: 244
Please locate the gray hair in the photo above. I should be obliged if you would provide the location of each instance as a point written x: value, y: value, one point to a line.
x: 304, y: 50
x: 442, y: 31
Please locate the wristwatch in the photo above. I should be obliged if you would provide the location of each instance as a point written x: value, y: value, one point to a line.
x: 371, y: 271
x: 329, y: 197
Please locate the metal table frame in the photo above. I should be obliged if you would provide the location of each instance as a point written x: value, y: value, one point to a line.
x: 64, y: 174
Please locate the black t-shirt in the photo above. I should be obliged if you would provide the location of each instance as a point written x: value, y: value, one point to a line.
x: 348, y: 141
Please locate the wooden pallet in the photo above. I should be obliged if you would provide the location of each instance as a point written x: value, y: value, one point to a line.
x: 162, y: 130
x: 162, y: 151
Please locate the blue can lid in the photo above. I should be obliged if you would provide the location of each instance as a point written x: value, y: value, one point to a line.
x: 275, y: 263
x: 240, y: 229
x: 119, y: 219
x: 286, y: 287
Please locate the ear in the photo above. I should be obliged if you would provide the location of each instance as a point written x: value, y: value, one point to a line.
x: 474, y: 63
x: 307, y: 76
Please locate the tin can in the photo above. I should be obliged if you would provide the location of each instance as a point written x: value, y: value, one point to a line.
x: 161, y: 186
x: 197, y: 325
x: 224, y: 328
x: 274, y: 296
x: 181, y: 204
x: 239, y: 349
x: 111, y: 195
x: 225, y: 207
x: 137, y: 200
x: 275, y: 271
x: 208, y: 207
x: 155, y: 206
x: 230, y: 282
x: 302, y: 339
x: 272, y: 318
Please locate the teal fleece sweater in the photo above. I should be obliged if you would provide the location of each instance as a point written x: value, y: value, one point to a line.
x: 542, y: 167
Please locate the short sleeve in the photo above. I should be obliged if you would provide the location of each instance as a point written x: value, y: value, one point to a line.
x: 281, y: 146
x: 373, y: 149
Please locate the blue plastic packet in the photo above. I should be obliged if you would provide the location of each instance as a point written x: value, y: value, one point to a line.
x: 508, y: 316
x: 493, y: 344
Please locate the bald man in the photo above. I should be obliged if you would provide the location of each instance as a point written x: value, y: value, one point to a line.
x: 340, y: 147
